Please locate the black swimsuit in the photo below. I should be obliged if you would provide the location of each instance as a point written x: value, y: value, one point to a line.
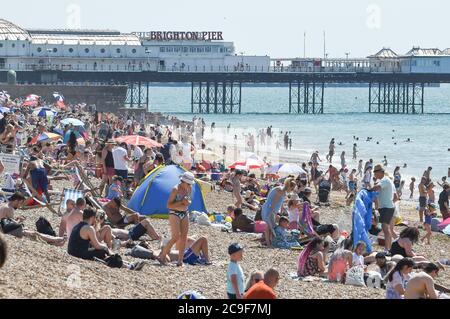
x: 396, y: 249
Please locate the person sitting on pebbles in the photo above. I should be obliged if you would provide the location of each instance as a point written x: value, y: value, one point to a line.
x: 285, y: 239
x: 13, y: 226
x: 422, y: 285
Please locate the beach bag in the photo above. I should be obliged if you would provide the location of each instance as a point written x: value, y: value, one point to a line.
x: 43, y: 226
x: 9, y: 225
x: 374, y: 279
x: 355, y: 277
x: 203, y: 220
x: 114, y: 261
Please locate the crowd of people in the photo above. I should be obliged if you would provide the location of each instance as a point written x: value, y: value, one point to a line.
x: 283, y: 210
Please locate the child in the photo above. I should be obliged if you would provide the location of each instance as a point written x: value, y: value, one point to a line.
x: 235, y: 275
x: 430, y: 212
x: 115, y: 190
x: 230, y: 211
x: 412, y: 185
x: 358, y: 258
x: 294, y: 207
x: 70, y: 205
x: 284, y: 239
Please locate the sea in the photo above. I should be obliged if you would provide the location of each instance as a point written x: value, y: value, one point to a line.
x: 346, y: 118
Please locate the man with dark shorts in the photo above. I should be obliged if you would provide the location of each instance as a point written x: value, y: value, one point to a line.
x: 3, y: 251
x: 385, y: 202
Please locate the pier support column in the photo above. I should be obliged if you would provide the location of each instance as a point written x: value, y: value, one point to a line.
x: 138, y: 95
x: 216, y: 97
x: 396, y: 98
x: 306, y: 97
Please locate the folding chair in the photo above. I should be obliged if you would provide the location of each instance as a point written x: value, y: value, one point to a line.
x: 39, y: 202
x: 72, y: 194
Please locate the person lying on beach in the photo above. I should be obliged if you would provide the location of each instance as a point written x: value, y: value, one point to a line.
x: 136, y: 232
x: 264, y: 289
x: 112, y: 210
x: 84, y: 244
x: 13, y: 226
x: 283, y: 238
x: 422, y: 285
x: 381, y: 265
x: 3, y: 251
x: 311, y: 261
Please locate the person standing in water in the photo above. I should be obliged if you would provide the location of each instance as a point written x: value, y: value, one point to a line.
x: 178, y: 204
x: 343, y: 164
x: 273, y: 205
x: 355, y: 151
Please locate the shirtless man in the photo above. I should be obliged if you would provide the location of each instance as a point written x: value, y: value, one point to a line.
x: 38, y: 171
x: 422, y: 198
x: 236, y: 182
x: 315, y: 159
x: 422, y: 285
x: 16, y: 228
x: 76, y: 216
x: 427, y: 175
x: 332, y: 149
x: 112, y: 210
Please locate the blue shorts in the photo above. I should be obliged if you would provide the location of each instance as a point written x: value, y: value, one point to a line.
x: 191, y: 258
x: 428, y: 219
x: 137, y: 232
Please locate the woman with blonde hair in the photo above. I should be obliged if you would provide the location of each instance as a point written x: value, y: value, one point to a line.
x: 273, y: 205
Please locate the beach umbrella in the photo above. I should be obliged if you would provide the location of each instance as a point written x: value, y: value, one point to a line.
x: 249, y: 163
x: 288, y: 168
x: 44, y: 112
x: 5, y: 110
x: 45, y: 137
x: 72, y: 121
x: 32, y: 100
x: 138, y: 141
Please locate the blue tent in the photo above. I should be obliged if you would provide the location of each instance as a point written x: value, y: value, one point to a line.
x: 151, y: 197
x: 362, y: 218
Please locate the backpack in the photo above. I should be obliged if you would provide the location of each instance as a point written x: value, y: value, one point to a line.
x: 114, y: 261
x: 8, y: 225
x: 43, y: 226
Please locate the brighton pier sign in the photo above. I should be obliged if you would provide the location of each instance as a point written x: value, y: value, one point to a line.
x: 183, y: 36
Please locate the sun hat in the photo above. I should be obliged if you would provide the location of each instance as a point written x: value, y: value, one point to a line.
x: 378, y: 168
x: 188, y: 178
x: 294, y: 197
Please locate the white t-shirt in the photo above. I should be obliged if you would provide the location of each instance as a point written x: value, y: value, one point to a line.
x: 235, y: 269
x: 187, y: 158
x: 293, y: 215
x: 358, y: 260
x: 119, y: 154
x: 386, y: 196
x: 137, y: 153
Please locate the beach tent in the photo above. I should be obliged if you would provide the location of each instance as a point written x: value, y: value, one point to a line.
x: 151, y: 197
x: 362, y: 218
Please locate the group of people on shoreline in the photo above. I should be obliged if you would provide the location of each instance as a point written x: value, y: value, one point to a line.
x: 286, y: 214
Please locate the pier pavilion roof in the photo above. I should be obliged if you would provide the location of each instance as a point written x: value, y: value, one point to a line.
x: 418, y: 51
x: 10, y: 31
x: 385, y: 53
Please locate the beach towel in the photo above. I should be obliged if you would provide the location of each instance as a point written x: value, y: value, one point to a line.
x: 306, y: 220
x: 362, y: 218
x: 444, y: 224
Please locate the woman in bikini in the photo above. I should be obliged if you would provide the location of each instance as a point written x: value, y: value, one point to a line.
x: 178, y: 204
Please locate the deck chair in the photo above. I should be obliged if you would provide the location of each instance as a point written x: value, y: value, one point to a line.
x: 39, y: 202
x: 72, y: 194
x: 85, y: 181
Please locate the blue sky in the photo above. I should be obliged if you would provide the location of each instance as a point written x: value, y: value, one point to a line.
x: 275, y: 28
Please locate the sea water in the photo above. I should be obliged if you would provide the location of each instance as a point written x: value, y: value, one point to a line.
x: 346, y: 116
